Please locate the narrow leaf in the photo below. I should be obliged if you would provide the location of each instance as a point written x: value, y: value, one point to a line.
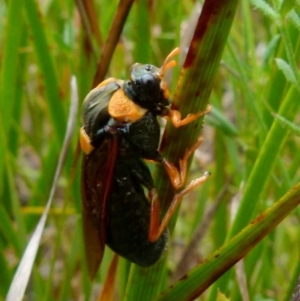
x: 265, y: 8
x: 200, y: 278
x: 287, y: 70
x: 290, y: 125
x: 294, y: 18
x: 21, y: 278
x: 270, y: 49
x: 46, y: 65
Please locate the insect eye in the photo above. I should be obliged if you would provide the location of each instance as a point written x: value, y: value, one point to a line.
x: 150, y: 82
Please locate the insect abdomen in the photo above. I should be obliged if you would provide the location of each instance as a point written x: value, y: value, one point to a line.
x: 129, y: 214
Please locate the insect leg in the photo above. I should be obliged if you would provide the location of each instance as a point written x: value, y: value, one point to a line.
x: 155, y: 230
x: 177, y: 178
x: 89, y: 142
x: 111, y: 128
x: 174, y: 204
x: 178, y: 122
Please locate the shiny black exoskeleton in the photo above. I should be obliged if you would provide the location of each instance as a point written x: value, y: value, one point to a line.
x: 120, y: 206
x: 120, y: 216
x: 128, y: 209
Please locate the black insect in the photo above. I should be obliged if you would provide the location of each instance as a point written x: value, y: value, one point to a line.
x: 120, y: 130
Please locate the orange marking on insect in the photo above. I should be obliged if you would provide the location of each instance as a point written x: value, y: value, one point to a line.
x: 123, y: 109
x: 165, y: 89
x: 85, y: 142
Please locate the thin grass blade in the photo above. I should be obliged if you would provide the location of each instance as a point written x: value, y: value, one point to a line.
x: 201, y: 277
x: 22, y: 275
x: 191, y: 96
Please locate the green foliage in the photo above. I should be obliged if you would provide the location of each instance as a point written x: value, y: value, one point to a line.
x: 251, y: 78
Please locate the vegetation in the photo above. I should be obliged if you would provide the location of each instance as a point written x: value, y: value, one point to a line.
x: 244, y: 61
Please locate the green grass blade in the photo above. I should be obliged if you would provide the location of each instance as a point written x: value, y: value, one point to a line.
x: 199, y: 279
x: 142, y: 34
x: 47, y: 67
x: 22, y: 275
x: 265, y: 161
x: 8, y: 80
x: 191, y: 96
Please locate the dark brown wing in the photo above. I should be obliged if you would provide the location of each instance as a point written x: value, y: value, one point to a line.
x: 96, y: 178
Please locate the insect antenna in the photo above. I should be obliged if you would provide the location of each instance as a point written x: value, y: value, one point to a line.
x: 167, y: 63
